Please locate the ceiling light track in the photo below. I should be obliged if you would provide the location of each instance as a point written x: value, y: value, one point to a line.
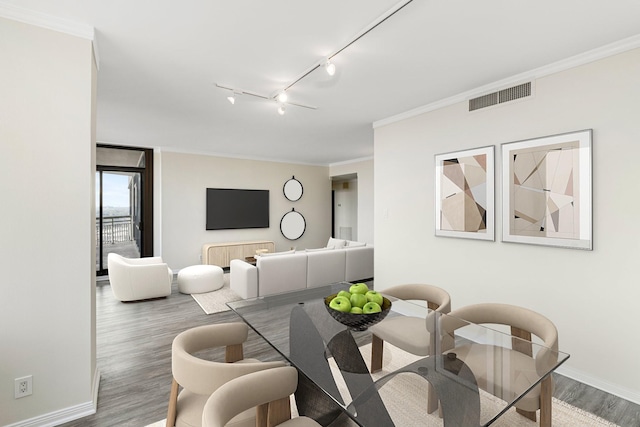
x: 397, y: 8
x: 236, y: 91
x: 281, y: 96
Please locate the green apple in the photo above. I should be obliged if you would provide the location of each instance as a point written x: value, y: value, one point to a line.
x: 356, y: 310
x: 340, y: 304
x: 374, y: 296
x: 358, y: 300
x: 371, y: 307
x: 359, y: 288
x: 344, y: 294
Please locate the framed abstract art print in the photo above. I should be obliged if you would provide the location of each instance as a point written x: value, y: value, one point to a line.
x: 464, y: 205
x: 546, y: 191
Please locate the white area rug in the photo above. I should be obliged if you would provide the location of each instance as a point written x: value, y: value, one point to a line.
x: 407, y: 390
x: 216, y: 301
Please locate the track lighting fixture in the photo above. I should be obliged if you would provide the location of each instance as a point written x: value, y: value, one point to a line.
x: 330, y: 68
x: 283, y: 97
x: 236, y: 92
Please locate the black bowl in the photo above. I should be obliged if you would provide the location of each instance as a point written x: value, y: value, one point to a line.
x: 358, y: 322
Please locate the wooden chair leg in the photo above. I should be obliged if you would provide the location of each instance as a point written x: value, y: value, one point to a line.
x: 233, y: 353
x: 262, y: 415
x: 546, y: 391
x: 432, y: 399
x: 377, y: 347
x: 173, y: 402
x: 279, y: 412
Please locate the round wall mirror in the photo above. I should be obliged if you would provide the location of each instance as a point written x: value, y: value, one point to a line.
x: 292, y: 225
x: 292, y: 189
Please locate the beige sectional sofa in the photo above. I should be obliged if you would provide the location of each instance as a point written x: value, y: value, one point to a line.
x: 294, y: 270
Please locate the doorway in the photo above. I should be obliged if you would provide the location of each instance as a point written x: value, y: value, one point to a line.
x: 344, y: 200
x: 124, y: 206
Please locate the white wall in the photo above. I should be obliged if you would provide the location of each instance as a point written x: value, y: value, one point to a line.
x: 47, y: 255
x: 364, y: 170
x: 184, y: 179
x: 592, y: 296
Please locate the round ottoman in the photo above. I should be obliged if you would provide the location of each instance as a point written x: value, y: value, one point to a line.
x: 198, y: 279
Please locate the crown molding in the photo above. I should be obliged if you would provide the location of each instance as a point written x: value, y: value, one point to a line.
x: 348, y: 162
x: 565, y: 64
x: 50, y: 22
x: 179, y: 150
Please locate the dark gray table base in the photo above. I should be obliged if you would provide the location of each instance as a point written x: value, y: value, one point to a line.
x: 453, y: 382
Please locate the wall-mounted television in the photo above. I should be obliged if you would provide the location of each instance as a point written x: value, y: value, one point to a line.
x: 229, y: 208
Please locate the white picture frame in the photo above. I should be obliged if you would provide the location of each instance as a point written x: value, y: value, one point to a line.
x: 465, y: 193
x: 547, y: 191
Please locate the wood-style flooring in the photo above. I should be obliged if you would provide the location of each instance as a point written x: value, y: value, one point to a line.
x: 134, y: 358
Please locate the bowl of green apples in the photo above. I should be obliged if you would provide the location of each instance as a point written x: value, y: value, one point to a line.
x: 358, y: 308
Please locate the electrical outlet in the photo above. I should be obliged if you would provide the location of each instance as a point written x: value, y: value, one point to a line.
x: 23, y: 386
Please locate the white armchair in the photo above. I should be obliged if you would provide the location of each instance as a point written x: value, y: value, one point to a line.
x: 138, y: 278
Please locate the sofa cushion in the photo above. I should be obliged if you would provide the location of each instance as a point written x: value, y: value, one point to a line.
x: 278, y: 274
x: 336, y: 243
x: 352, y: 244
x: 359, y: 263
x: 325, y: 267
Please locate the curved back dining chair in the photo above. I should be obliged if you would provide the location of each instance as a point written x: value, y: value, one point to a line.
x: 199, y: 377
x: 408, y: 333
x: 268, y: 391
x: 523, y: 368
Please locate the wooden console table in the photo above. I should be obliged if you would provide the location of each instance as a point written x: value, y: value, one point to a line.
x: 221, y: 254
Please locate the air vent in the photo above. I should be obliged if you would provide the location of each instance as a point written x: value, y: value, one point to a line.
x: 500, y: 97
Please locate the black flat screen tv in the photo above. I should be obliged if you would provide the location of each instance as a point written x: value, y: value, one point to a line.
x: 229, y: 208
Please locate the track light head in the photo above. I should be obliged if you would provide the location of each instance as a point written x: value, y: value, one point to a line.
x: 281, y: 110
x: 231, y: 99
x: 283, y: 97
x: 330, y: 68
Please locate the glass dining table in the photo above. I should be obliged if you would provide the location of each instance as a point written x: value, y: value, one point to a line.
x: 335, y: 382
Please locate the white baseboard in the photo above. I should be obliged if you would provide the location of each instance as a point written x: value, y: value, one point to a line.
x: 585, y: 378
x: 68, y: 414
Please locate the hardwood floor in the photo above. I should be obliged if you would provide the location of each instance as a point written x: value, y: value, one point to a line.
x: 134, y: 357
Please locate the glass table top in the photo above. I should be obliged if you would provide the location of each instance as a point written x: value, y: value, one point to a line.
x: 334, y: 363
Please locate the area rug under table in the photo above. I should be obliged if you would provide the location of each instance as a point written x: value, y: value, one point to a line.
x: 216, y: 301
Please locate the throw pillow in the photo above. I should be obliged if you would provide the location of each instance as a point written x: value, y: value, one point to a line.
x: 319, y: 249
x: 336, y: 243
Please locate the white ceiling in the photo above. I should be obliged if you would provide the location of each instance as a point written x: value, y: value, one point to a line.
x: 160, y: 61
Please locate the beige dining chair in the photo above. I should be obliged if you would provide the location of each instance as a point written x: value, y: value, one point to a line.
x: 408, y: 333
x: 268, y: 391
x: 200, y: 377
x: 523, y: 366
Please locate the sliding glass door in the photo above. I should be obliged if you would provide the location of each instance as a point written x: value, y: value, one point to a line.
x: 118, y: 215
x: 124, y: 215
